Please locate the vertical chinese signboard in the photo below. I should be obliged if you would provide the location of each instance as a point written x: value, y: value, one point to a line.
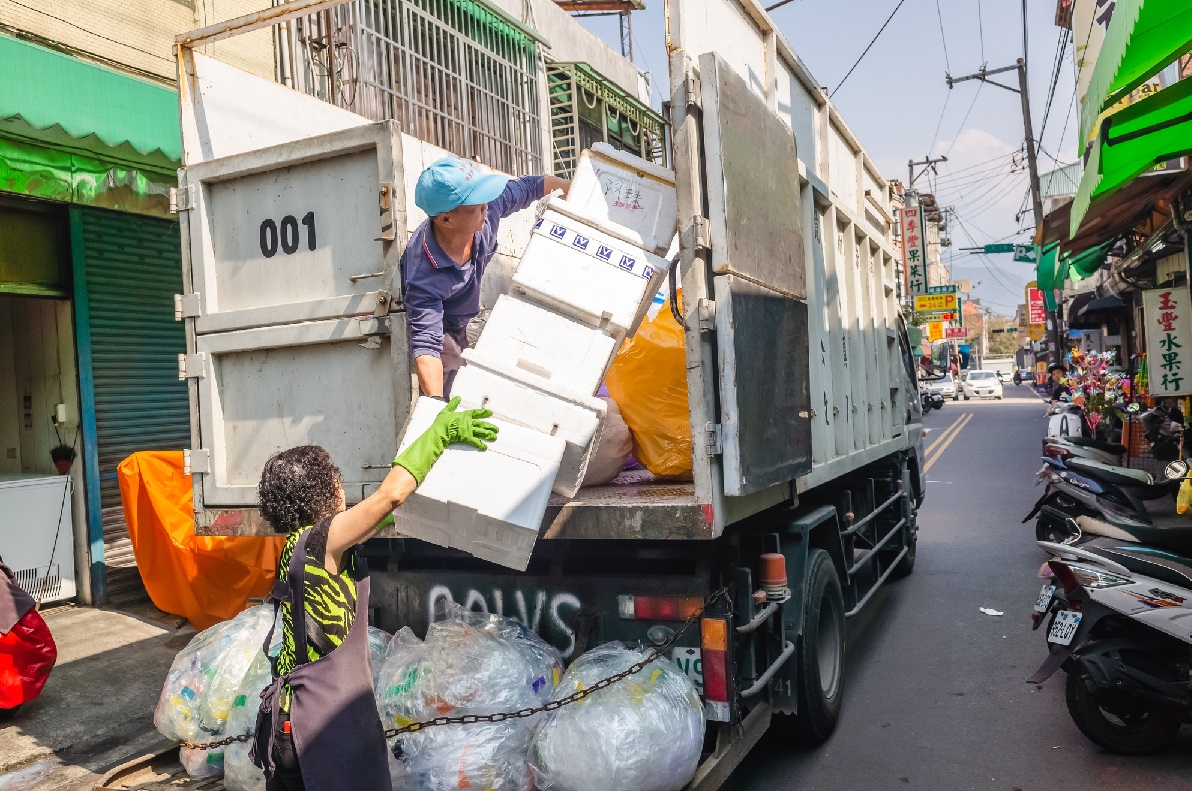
x: 914, y: 250
x: 1036, y: 312
x: 935, y: 331
x: 1168, y: 316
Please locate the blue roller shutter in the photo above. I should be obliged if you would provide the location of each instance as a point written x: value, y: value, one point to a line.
x: 131, y: 268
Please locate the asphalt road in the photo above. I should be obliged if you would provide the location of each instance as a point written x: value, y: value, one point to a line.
x: 935, y: 698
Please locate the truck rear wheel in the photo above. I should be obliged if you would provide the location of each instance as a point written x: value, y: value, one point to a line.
x: 821, y: 651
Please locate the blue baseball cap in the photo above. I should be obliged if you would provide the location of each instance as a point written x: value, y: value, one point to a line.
x: 453, y: 182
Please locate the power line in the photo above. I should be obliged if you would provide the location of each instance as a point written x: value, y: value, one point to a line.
x: 981, y: 29
x: 943, y: 38
x: 867, y: 48
x: 964, y: 120
x: 939, y: 124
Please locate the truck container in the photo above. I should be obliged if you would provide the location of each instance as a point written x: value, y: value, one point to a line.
x: 807, y: 460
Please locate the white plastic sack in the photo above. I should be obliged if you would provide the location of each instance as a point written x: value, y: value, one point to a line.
x: 201, y: 684
x: 612, y: 448
x: 471, y: 663
x: 644, y: 733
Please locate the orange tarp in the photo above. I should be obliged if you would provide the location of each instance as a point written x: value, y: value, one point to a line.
x: 206, y: 579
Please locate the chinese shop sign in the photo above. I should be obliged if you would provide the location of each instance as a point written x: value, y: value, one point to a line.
x: 1168, y: 314
x: 914, y: 250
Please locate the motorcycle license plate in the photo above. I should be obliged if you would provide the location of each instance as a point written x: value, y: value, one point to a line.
x: 1063, y: 629
x: 1044, y: 600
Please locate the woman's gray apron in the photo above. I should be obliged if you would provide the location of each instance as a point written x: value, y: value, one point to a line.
x: 333, y: 717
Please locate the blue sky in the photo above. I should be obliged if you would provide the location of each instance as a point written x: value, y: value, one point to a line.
x: 974, y: 128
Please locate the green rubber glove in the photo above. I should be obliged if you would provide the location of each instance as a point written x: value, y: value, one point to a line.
x: 450, y: 427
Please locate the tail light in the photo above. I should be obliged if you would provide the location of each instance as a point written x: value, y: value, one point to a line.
x: 713, y: 633
x: 1063, y: 575
x: 658, y: 608
x: 1057, y: 452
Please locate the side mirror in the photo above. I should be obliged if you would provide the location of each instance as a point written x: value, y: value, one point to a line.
x: 1176, y: 470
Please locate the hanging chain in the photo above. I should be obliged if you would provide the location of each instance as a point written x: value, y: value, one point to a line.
x: 554, y: 705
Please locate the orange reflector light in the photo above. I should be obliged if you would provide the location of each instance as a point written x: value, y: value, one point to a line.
x: 713, y: 633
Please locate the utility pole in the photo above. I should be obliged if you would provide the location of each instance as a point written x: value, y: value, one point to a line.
x: 1056, y: 343
x: 928, y: 164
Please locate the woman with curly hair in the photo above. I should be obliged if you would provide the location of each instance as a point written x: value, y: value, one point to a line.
x: 318, y: 725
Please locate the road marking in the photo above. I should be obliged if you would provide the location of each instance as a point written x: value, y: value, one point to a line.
x: 944, y: 436
x: 963, y: 422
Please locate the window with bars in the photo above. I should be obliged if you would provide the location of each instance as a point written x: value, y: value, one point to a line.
x: 455, y: 73
x: 586, y: 108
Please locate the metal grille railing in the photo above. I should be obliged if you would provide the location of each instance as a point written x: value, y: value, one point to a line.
x: 452, y: 72
x: 585, y: 108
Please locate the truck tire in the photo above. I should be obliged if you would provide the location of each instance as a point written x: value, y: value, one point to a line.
x: 821, y: 651
x: 907, y: 564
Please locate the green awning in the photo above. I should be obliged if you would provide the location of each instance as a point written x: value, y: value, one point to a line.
x: 1134, y: 140
x: 1087, y: 263
x: 47, y: 89
x: 1047, y: 276
x: 1144, y: 37
x: 1055, y: 267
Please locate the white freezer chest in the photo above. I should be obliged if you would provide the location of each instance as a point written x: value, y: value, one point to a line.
x: 37, y: 534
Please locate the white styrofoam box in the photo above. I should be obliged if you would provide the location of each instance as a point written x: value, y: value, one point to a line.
x: 579, y: 269
x: 615, y: 186
x: 488, y: 503
x: 570, y: 354
x: 576, y: 420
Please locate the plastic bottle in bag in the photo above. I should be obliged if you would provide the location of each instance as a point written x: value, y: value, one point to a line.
x: 470, y: 663
x: 644, y: 733
x: 202, y: 684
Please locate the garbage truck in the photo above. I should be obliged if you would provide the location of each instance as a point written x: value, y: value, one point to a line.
x: 806, y: 457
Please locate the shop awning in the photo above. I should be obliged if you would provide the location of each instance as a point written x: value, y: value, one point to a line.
x: 1144, y: 36
x: 47, y: 89
x: 1088, y: 311
x: 1132, y: 141
x: 1085, y: 264
x: 1056, y: 265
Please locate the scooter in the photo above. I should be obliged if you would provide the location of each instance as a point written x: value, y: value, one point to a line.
x: 1063, y: 448
x: 931, y: 398
x: 1085, y: 495
x: 1116, y: 612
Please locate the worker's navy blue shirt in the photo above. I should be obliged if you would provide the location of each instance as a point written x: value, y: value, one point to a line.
x: 438, y: 291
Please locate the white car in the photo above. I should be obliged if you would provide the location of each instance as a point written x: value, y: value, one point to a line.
x: 948, y: 387
x: 982, y: 384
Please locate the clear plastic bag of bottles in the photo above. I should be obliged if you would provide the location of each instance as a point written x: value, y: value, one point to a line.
x: 643, y: 733
x: 470, y: 663
x: 202, y: 682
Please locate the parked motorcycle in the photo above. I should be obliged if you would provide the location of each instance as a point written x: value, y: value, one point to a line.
x: 1083, y: 495
x: 1116, y: 611
x: 1064, y: 448
x: 931, y: 398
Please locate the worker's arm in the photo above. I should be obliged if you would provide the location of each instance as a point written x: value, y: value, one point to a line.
x: 424, y: 317
x: 410, y: 468
x: 552, y: 183
x: 430, y: 375
x: 357, y: 523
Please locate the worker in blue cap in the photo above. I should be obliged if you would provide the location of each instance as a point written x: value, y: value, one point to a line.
x: 446, y: 258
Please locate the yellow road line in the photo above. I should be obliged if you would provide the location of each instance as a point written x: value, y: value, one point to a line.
x: 944, y: 436
x: 940, y: 452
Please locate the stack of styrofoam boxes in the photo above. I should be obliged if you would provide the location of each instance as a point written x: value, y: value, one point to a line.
x: 585, y: 281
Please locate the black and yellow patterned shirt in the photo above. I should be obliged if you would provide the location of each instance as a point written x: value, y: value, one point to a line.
x: 328, y: 599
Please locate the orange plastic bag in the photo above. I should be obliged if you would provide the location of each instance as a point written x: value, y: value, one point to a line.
x: 206, y: 579
x: 648, y: 380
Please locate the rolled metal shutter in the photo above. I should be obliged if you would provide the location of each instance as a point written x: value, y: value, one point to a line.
x: 133, y: 270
